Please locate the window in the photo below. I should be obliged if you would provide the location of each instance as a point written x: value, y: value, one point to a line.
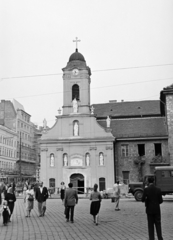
x: 158, y: 149
x: 124, y: 150
x: 102, y: 184
x: 141, y: 149
x: 125, y: 177
x: 167, y: 173
x: 75, y: 92
x: 21, y: 125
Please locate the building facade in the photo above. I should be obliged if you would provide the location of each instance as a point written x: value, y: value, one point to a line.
x: 77, y: 149
x: 14, y: 118
x: 105, y: 142
x: 8, y: 151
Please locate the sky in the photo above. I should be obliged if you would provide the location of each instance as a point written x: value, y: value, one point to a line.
x: 128, y: 44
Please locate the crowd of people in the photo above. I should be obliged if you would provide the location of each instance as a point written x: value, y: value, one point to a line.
x: 151, y: 197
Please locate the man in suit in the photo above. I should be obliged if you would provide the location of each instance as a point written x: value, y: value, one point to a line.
x: 153, y: 198
x: 70, y: 199
x: 41, y: 196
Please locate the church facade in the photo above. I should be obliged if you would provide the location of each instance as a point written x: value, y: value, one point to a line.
x: 77, y: 149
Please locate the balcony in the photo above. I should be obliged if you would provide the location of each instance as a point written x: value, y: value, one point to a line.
x: 159, y: 161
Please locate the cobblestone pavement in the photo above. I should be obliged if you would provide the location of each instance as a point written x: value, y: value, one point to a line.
x: 128, y: 224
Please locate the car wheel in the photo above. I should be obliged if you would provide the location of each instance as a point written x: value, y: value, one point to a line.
x: 138, y: 195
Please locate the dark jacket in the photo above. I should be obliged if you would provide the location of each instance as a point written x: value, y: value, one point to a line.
x: 10, y: 198
x: 71, y: 197
x: 41, y: 197
x: 153, y: 198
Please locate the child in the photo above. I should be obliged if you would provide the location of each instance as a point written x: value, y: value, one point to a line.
x: 5, y: 213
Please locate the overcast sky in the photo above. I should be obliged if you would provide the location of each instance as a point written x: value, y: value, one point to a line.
x: 127, y: 44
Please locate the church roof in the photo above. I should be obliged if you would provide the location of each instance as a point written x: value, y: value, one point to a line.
x: 76, y: 56
x: 137, y: 127
x: 127, y: 109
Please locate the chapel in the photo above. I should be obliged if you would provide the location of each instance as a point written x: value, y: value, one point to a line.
x: 77, y: 149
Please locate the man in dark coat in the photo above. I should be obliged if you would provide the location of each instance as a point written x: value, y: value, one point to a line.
x: 71, y: 198
x: 41, y: 195
x: 153, y: 198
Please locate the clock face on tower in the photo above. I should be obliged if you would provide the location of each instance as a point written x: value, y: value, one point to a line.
x: 75, y: 72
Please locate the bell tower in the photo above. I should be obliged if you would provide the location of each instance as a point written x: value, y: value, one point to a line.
x: 76, y: 85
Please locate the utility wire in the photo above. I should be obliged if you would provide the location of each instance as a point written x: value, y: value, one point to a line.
x: 101, y: 70
x: 114, y: 85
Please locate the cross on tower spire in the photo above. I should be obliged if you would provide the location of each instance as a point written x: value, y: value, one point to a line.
x: 77, y: 40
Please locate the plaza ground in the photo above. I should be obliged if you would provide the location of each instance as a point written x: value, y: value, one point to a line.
x: 128, y: 224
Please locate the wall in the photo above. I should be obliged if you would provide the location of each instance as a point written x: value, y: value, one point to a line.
x: 169, y: 112
x: 127, y: 163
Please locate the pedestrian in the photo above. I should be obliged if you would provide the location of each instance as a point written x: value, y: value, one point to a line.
x: 41, y: 196
x: 70, y: 200
x: 5, y: 211
x: 25, y: 187
x: 116, y: 195
x: 95, y: 198
x: 153, y: 198
x: 10, y: 198
x: 29, y: 200
x: 62, y: 191
x: 2, y: 187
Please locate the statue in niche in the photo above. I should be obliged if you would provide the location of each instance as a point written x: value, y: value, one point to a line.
x: 108, y: 122
x: 92, y: 110
x: 101, y: 159
x: 65, y: 160
x: 52, y: 160
x: 87, y: 159
x: 44, y: 124
x: 76, y: 128
x: 75, y: 106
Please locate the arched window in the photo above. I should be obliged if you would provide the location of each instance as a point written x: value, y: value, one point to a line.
x: 87, y: 159
x: 75, y: 92
x: 52, y: 160
x: 65, y: 160
x: 102, y: 184
x: 101, y: 159
x: 75, y: 128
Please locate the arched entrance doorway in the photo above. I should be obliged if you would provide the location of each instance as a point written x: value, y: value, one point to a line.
x: 78, y: 182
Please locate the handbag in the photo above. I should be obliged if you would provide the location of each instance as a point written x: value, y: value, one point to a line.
x: 31, y: 198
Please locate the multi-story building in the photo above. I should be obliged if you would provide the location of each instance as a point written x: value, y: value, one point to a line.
x: 26, y: 153
x: 13, y: 116
x: 8, y: 151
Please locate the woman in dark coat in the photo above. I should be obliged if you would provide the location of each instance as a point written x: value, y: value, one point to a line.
x: 95, y: 197
x: 62, y: 191
x: 10, y: 198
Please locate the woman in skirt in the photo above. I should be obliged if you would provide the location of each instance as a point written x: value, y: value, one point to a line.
x: 29, y: 200
x: 62, y: 191
x: 95, y: 198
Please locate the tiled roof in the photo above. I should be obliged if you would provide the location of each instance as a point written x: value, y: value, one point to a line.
x: 125, y: 109
x: 137, y: 127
